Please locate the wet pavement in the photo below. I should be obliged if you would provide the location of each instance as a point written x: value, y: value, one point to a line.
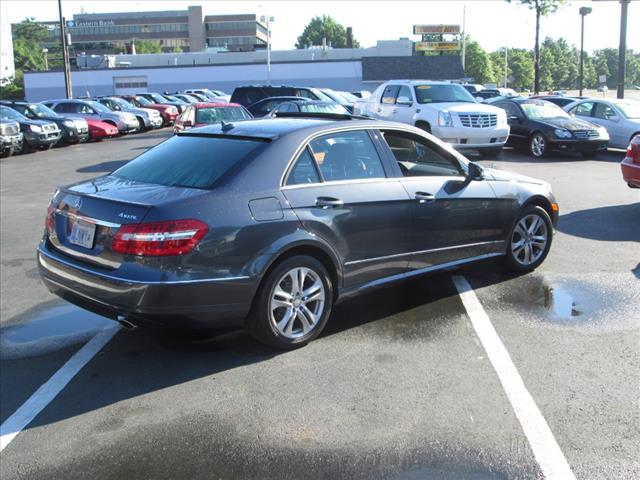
x: 397, y: 387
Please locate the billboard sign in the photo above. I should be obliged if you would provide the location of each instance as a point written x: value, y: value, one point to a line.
x: 436, y: 29
x: 437, y: 46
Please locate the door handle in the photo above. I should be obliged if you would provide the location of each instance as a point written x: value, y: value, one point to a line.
x: 329, y: 202
x: 379, y: 110
x: 395, y: 110
x: 423, y: 197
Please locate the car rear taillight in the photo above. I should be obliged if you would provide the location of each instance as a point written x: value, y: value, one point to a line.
x: 633, y: 150
x: 49, y: 221
x: 175, y: 237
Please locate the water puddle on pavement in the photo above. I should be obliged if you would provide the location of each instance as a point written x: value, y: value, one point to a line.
x: 569, y: 302
x: 49, y: 329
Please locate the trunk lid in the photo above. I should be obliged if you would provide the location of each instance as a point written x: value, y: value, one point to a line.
x: 87, y: 215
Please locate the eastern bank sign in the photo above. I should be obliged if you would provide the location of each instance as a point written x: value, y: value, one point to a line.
x: 94, y: 23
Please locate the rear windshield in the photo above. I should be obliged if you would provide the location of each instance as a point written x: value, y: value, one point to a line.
x: 188, y: 161
x: 217, y: 114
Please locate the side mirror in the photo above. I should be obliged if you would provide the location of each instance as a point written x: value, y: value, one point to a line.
x: 475, y: 171
x: 514, y: 119
x: 405, y: 102
x: 187, y: 123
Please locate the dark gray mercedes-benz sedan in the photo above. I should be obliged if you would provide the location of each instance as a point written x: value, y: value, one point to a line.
x: 269, y: 223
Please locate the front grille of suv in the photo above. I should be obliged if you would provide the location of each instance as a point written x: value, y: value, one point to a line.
x: 478, y: 120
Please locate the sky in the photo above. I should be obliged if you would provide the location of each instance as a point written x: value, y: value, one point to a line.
x: 492, y: 23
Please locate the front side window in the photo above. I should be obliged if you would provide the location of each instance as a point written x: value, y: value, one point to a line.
x: 304, y: 171
x: 347, y: 156
x: 389, y: 94
x: 404, y: 96
x: 604, y: 111
x: 188, y: 161
x: 584, y: 109
x: 510, y: 108
x: 418, y: 157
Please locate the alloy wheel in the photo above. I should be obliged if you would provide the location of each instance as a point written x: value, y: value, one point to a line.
x: 538, y: 145
x: 529, y: 239
x: 297, y: 302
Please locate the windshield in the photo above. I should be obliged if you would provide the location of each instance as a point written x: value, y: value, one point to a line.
x: 122, y: 103
x: 542, y: 109
x: 40, y: 110
x: 158, y: 98
x: 203, y: 160
x: 176, y: 100
x: 98, y: 106
x: 217, y: 114
x: 323, y: 108
x: 10, y: 114
x: 629, y: 109
x: 442, y: 94
x: 143, y: 101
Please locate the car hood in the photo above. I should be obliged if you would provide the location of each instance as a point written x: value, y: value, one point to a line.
x: 572, y: 123
x: 502, y: 176
x: 459, y: 107
x: 30, y: 121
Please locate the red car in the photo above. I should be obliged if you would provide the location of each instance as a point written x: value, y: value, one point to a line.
x: 631, y: 163
x: 169, y: 113
x: 99, y: 130
x: 199, y: 114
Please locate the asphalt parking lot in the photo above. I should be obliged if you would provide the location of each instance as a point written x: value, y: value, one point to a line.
x: 402, y: 384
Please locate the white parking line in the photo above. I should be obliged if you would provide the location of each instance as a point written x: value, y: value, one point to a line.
x: 13, y: 425
x: 545, y: 448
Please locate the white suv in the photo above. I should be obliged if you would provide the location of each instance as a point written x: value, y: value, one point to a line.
x: 444, y: 109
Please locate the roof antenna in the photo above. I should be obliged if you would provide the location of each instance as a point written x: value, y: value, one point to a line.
x: 226, y: 126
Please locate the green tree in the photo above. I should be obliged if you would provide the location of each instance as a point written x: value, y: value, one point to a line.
x: 477, y: 63
x: 521, y: 68
x: 542, y: 9
x: 147, y: 46
x: 27, y: 51
x: 324, y: 27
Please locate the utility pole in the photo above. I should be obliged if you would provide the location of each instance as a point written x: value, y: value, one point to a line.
x: 65, y: 53
x: 584, y: 11
x: 506, y: 64
x: 622, y: 51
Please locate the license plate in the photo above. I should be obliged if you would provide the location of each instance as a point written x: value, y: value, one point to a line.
x: 82, y: 233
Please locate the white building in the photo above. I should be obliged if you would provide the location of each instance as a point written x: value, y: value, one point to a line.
x: 7, y: 67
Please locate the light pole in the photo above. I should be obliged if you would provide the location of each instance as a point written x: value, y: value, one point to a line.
x: 268, y: 20
x: 65, y: 53
x: 622, y: 49
x: 46, y: 60
x: 584, y: 11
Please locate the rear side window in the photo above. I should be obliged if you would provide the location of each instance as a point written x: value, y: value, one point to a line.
x: 417, y: 157
x: 189, y: 161
x: 347, y: 156
x: 304, y: 171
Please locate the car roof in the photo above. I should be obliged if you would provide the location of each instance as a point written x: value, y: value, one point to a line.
x: 215, y: 104
x: 422, y: 82
x: 280, y: 126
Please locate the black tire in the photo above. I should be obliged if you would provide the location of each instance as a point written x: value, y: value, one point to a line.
x: 512, y: 259
x: 47, y: 146
x: 424, y: 126
x: 538, y: 145
x: 6, y: 153
x: 490, y: 152
x: 262, y: 321
x: 26, y: 148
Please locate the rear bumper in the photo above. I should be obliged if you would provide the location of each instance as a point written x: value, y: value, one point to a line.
x: 630, y: 172
x: 201, y: 303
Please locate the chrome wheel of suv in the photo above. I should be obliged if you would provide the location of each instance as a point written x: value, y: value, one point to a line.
x: 297, y: 302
